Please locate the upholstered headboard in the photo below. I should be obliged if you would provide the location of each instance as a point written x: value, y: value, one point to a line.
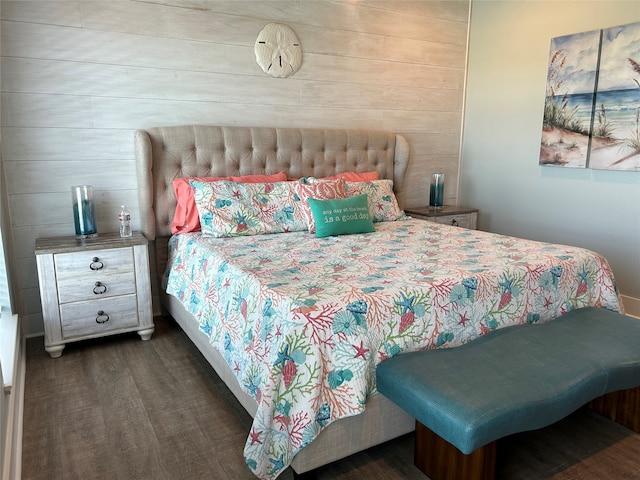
x: 165, y: 153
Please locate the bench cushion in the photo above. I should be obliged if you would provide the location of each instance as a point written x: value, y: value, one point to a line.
x: 517, y: 378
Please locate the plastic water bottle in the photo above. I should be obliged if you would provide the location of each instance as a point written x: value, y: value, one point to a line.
x: 125, y: 222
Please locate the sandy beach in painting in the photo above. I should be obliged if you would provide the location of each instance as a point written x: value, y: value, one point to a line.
x: 569, y: 149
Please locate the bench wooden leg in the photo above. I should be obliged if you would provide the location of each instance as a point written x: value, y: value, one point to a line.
x: 440, y: 460
x: 622, y: 407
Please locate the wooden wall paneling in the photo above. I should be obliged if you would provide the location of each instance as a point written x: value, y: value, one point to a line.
x: 39, y: 208
x: 30, y: 300
x: 335, y: 42
x: 421, y: 51
x: 433, y: 122
x: 176, y: 22
x: 65, y: 13
x: 457, y: 10
x: 122, y: 112
x: 116, y: 48
x: 60, y: 78
x: 363, y: 18
x: 433, y: 143
x: 26, y: 272
x: 378, y: 97
x: 57, y: 144
x: 281, y: 10
x: 38, y: 110
x: 24, y: 237
x: 98, y: 79
x: 43, y: 176
x: 379, y: 72
x: 324, y: 40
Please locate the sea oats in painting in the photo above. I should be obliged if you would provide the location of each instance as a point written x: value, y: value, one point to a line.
x: 568, y: 106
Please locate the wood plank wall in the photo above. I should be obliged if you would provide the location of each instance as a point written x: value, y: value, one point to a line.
x: 77, y: 77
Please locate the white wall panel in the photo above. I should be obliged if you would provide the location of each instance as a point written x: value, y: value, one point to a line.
x: 360, y: 17
x: 94, y: 46
x: 445, y: 9
x: 379, y: 97
x: 285, y: 10
x: 63, y: 144
x: 47, y: 177
x: 144, y: 18
x: 43, y: 11
x: 89, y: 79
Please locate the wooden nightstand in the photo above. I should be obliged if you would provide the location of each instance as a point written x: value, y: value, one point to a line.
x: 93, y: 287
x: 450, y: 215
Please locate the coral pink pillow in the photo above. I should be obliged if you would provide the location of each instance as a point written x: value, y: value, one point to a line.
x: 350, y: 177
x: 185, y: 217
x: 355, y: 177
x: 322, y: 190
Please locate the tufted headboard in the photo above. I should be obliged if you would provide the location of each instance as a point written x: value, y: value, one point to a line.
x: 165, y: 153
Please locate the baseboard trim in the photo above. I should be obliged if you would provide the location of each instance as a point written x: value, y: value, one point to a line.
x: 631, y: 306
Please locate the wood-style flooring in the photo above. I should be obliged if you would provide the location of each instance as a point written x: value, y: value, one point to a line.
x: 122, y: 409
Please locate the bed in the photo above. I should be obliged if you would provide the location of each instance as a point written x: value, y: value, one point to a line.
x: 295, y: 324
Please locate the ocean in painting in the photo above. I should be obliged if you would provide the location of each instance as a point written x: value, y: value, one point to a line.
x: 621, y: 108
x: 616, y: 151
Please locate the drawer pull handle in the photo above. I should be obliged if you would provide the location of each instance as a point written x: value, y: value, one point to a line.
x: 102, y: 317
x: 96, y: 264
x: 100, y: 288
x: 454, y: 222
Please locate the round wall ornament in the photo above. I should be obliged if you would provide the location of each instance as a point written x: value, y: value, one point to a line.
x: 278, y: 50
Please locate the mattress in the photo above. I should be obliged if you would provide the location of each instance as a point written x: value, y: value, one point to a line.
x: 303, y: 321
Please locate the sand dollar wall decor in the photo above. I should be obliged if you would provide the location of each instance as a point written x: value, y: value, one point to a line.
x: 278, y: 50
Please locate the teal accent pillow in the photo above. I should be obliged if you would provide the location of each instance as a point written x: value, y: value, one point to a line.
x: 341, y: 216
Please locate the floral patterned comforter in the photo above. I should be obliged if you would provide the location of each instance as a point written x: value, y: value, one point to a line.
x: 303, y: 321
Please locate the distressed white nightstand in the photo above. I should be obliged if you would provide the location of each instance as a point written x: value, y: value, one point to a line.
x: 450, y: 215
x: 93, y: 287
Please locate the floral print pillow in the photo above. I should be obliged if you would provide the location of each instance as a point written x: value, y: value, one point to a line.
x: 229, y: 209
x: 383, y: 204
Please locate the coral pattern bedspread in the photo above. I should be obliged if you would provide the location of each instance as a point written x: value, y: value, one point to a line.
x: 304, y: 321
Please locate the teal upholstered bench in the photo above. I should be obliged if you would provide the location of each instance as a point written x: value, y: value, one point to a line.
x: 513, y: 380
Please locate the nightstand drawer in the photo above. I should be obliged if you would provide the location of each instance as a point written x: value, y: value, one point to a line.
x: 447, y: 215
x: 94, y: 317
x: 463, y: 221
x: 91, y: 275
x: 101, y: 286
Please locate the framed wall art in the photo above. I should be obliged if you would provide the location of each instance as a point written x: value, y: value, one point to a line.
x: 592, y: 101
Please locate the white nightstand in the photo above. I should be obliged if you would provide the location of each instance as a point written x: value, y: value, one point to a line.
x: 93, y: 287
x: 450, y: 215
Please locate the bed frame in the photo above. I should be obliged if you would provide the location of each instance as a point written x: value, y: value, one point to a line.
x: 165, y: 153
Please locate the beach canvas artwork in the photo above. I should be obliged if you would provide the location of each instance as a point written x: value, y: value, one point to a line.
x: 592, y: 103
x: 568, y: 106
x: 616, y: 126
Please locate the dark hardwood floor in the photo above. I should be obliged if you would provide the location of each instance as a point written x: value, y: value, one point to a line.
x: 119, y: 408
